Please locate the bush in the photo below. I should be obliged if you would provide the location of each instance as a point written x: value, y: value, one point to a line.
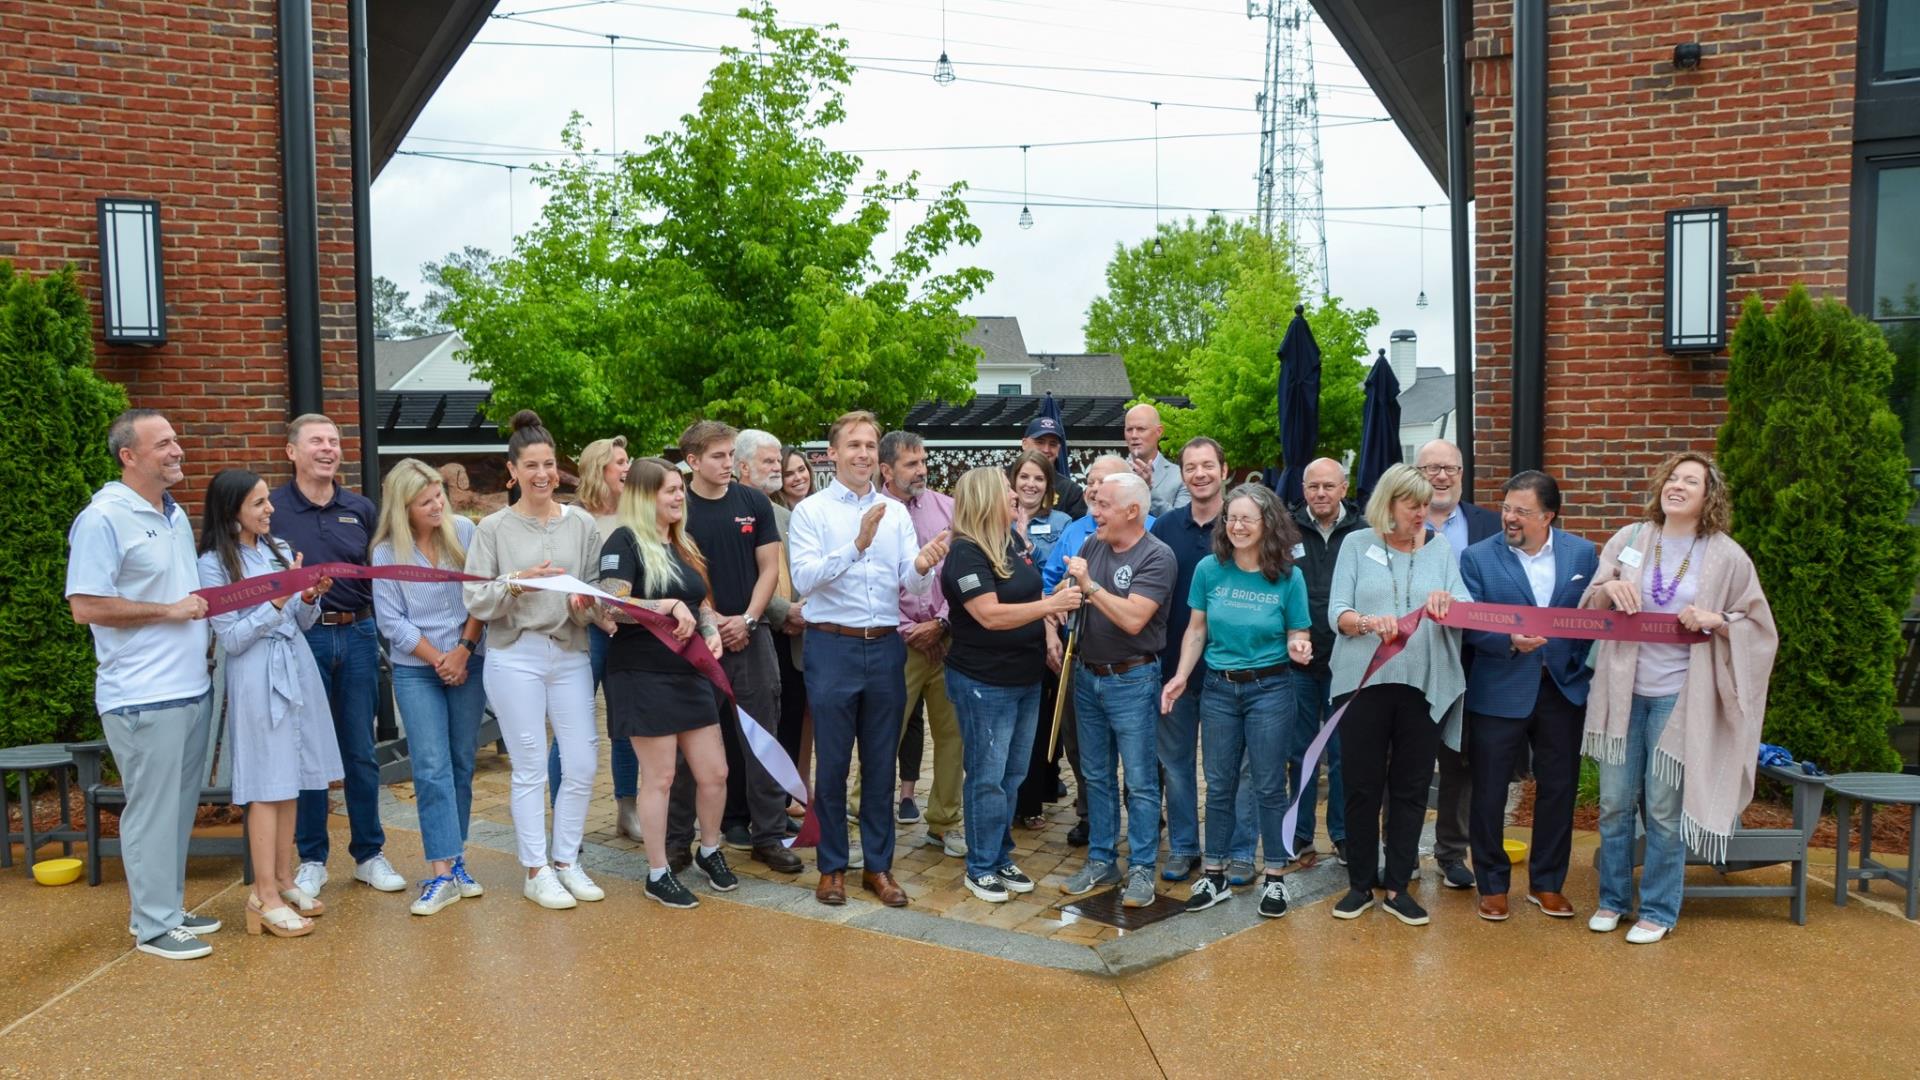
x: 1817, y: 467
x: 53, y: 454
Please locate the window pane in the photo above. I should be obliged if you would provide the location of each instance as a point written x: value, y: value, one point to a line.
x: 1896, y: 243
x: 1900, y: 40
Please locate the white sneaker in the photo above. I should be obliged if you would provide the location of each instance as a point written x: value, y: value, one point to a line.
x: 576, y: 881
x: 380, y: 874
x: 544, y: 888
x: 1604, y: 922
x: 953, y: 842
x: 310, y: 877
x: 435, y: 894
x: 856, y: 858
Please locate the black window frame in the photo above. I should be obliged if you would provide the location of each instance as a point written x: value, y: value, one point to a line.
x: 1886, y: 130
x: 1869, y: 161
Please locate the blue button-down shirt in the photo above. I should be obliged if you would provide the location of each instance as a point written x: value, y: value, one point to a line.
x: 842, y: 584
x: 408, y: 611
x: 1455, y: 530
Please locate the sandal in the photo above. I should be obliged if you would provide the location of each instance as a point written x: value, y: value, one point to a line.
x: 308, y: 905
x: 280, y: 922
x: 1307, y: 859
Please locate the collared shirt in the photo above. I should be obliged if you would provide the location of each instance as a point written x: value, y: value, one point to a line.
x: 123, y: 546
x: 1191, y: 541
x: 1166, y: 491
x: 1071, y: 539
x: 1539, y: 568
x: 930, y: 512
x: 842, y: 584
x: 408, y: 611
x: 338, y: 531
x: 1455, y: 530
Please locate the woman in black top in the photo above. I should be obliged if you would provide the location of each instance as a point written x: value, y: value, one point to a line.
x: 998, y: 657
x: 655, y: 696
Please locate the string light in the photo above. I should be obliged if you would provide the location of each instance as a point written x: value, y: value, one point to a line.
x: 1421, y: 300
x: 1026, y: 215
x: 1157, y: 250
x: 943, y: 67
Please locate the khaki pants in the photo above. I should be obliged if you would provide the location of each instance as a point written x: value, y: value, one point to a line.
x: 927, y: 681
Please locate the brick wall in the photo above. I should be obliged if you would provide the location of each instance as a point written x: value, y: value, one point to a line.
x: 179, y: 102
x: 1763, y: 126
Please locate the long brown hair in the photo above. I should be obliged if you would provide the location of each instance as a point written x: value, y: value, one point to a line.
x: 1046, y: 467
x: 1716, y: 515
x: 1277, y: 534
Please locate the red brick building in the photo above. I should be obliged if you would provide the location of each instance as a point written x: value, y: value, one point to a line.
x: 196, y: 105
x: 1577, y: 125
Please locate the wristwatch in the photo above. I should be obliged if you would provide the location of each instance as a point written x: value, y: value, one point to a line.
x: 753, y: 623
x: 471, y: 645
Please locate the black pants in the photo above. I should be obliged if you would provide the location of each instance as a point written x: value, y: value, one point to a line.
x: 1043, y: 772
x: 913, y: 743
x: 1498, y: 743
x: 1388, y: 742
x: 793, y: 700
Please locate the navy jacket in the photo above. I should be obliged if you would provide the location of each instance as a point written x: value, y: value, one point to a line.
x: 1502, y: 682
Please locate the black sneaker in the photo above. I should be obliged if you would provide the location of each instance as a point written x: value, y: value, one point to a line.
x: 1015, y: 879
x: 719, y: 874
x: 1077, y: 836
x: 909, y: 813
x: 737, y: 837
x: 1340, y: 852
x: 1456, y: 875
x: 1211, y: 889
x: 1354, y: 903
x: 987, y: 887
x: 1404, y: 908
x: 667, y: 889
x: 1273, y: 898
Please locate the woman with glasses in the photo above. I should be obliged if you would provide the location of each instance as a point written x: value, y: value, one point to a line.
x: 1249, y: 616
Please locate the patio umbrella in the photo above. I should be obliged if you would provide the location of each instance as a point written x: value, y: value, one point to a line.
x: 1299, y: 404
x: 1051, y: 409
x: 1380, y: 426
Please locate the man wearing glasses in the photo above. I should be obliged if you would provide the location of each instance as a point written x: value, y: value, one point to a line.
x: 1526, y: 693
x: 1463, y: 524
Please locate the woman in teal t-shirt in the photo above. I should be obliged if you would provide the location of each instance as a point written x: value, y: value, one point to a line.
x: 1250, y: 617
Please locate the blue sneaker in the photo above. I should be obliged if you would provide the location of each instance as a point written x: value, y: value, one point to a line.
x: 435, y: 893
x: 468, y: 886
x: 1239, y: 871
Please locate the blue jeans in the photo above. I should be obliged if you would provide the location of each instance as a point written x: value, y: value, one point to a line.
x: 1246, y: 724
x: 997, y: 725
x: 349, y: 661
x: 1118, y: 717
x: 1179, y: 743
x: 1633, y: 786
x: 443, y: 727
x: 626, y: 766
x: 857, y: 690
x: 1310, y: 696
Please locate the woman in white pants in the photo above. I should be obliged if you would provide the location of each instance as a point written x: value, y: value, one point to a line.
x: 537, y: 671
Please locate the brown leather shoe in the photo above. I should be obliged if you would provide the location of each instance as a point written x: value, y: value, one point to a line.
x: 1552, y: 903
x: 882, y: 885
x: 778, y: 859
x: 1493, y: 907
x: 832, y: 889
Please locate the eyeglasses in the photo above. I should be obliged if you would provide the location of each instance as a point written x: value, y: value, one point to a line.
x: 1242, y: 522
x: 1522, y: 514
x: 1440, y: 470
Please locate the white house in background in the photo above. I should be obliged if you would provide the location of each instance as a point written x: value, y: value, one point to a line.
x: 424, y: 363
x: 1426, y: 411
x: 1004, y: 366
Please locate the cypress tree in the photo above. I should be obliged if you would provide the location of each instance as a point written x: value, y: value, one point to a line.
x: 1817, y: 468
x: 53, y: 454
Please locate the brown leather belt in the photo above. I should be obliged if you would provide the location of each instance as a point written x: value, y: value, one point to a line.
x: 1253, y: 674
x: 342, y: 618
x: 864, y: 633
x: 1119, y: 668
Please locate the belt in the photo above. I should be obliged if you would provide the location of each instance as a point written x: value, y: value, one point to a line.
x: 864, y: 633
x: 1253, y: 674
x: 1119, y: 668
x: 342, y: 618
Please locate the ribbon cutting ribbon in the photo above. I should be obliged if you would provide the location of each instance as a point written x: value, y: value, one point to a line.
x: 1583, y: 623
x: 765, y: 748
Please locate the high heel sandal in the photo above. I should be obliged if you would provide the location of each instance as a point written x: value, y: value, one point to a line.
x: 280, y: 922
x: 308, y: 905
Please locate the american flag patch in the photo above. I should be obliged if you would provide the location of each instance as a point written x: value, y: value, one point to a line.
x: 969, y: 582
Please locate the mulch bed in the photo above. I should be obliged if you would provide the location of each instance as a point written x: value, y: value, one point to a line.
x: 46, y: 814
x: 1890, y: 825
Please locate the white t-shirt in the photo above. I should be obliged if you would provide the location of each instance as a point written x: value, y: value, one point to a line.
x: 122, y: 546
x: 1662, y: 669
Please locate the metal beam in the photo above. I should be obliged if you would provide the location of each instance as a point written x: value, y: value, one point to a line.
x: 300, y: 207
x: 362, y: 134
x: 1529, y: 397
x: 1459, y: 194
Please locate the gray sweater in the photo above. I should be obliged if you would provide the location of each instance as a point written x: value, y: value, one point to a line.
x: 1370, y: 578
x: 508, y: 540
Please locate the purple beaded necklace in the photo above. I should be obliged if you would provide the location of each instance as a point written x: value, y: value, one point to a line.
x: 1663, y: 591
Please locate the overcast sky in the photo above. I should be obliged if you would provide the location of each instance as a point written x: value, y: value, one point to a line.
x: 511, y: 92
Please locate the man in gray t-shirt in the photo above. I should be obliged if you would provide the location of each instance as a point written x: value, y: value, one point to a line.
x: 1127, y: 578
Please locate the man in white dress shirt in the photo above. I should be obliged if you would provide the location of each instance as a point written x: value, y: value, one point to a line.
x: 851, y: 553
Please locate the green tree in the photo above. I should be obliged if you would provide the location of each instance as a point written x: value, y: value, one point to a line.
x: 726, y: 270
x: 1818, y: 476
x: 1159, y: 308
x: 470, y: 260
x: 53, y: 454
x: 393, y: 317
x: 1233, y: 376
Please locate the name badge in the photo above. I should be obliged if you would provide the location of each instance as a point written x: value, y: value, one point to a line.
x: 1630, y: 557
x: 1300, y: 551
x: 1378, y: 556
x: 1040, y: 528
x: 349, y: 519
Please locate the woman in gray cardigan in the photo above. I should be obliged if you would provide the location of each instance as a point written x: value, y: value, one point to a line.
x: 1394, y: 726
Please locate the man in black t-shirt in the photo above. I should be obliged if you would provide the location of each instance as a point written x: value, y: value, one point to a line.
x: 734, y: 528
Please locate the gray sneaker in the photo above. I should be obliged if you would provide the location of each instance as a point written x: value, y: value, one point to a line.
x: 1139, y: 887
x: 1091, y: 876
x: 177, y: 944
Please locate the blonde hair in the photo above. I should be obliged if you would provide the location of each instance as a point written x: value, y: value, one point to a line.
x: 593, y: 491
x: 1716, y: 512
x: 639, y: 513
x: 980, y: 514
x: 408, y: 478
x: 1401, y: 481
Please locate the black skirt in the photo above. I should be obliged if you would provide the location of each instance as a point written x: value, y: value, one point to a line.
x: 650, y: 704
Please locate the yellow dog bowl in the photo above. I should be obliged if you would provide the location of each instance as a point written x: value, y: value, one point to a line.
x: 57, y: 871
x: 1516, y: 850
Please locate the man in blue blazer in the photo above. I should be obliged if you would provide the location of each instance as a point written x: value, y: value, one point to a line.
x: 1526, y: 692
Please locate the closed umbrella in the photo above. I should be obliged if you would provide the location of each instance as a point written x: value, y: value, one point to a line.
x: 1380, y: 426
x: 1299, y: 404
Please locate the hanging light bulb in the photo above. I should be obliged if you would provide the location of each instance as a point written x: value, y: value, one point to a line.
x: 943, y: 67
x: 1157, y: 250
x: 1026, y: 218
x: 1026, y: 215
x: 1213, y: 240
x: 1421, y: 300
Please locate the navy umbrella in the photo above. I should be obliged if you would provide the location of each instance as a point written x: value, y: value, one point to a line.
x: 1380, y: 426
x: 1299, y: 404
x: 1051, y: 409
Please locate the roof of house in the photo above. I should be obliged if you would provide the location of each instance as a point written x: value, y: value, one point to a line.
x: 393, y: 359
x: 999, y: 340
x: 1005, y: 416
x: 1082, y: 375
x: 1429, y: 398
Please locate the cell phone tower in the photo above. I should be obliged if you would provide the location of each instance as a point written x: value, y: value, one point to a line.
x: 1289, y: 176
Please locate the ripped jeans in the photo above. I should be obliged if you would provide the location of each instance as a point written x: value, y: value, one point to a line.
x: 997, y: 725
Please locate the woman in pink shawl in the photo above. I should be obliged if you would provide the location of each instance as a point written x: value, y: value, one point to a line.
x: 1675, y: 728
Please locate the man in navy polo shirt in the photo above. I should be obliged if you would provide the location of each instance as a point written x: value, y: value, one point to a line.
x: 326, y: 522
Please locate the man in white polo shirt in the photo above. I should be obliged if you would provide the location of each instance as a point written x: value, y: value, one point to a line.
x: 131, y: 577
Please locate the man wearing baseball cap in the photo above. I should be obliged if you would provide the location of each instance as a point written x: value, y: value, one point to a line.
x: 1049, y: 437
